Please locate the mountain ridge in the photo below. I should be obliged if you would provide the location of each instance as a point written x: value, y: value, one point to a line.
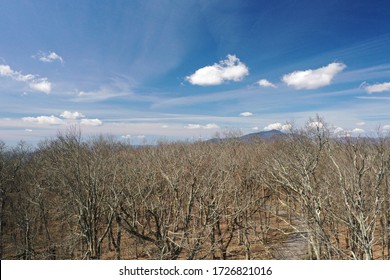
x: 262, y: 135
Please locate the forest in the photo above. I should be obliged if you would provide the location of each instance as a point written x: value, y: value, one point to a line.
x: 307, y: 194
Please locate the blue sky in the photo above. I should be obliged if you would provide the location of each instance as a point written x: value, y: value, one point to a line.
x: 158, y: 69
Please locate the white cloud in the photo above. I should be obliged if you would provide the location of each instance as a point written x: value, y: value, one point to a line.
x: 357, y: 131
x: 338, y: 130
x: 360, y: 123
x: 71, y: 115
x: 28, y: 130
x: 265, y: 83
x: 102, y: 94
x: 129, y: 136
x: 42, y: 85
x: 316, y: 125
x: 272, y: 126
x: 377, y: 87
x: 198, y: 126
x: 277, y: 126
x: 230, y: 69
x: 193, y: 126
x: 91, y: 122
x: 211, y: 126
x: 255, y: 128
x: 6, y: 71
x: 35, y: 83
x: 49, y: 57
x: 313, y: 79
x: 52, y: 120
x: 386, y: 127
x: 246, y: 114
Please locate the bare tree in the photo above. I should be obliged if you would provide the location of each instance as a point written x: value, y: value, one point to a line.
x: 75, y: 198
x: 361, y: 178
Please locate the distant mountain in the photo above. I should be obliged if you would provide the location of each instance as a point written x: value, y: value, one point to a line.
x: 262, y: 135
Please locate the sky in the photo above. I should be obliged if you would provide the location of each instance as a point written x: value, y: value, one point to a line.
x: 166, y: 70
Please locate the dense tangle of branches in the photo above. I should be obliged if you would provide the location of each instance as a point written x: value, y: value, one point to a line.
x: 72, y: 198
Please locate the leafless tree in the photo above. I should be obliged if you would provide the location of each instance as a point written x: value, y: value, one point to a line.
x: 77, y: 198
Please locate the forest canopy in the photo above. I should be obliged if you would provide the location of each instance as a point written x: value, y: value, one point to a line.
x: 305, y: 194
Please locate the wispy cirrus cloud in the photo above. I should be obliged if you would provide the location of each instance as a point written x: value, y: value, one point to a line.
x: 313, y: 79
x: 33, y: 81
x: 103, y: 93
x: 230, y: 69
